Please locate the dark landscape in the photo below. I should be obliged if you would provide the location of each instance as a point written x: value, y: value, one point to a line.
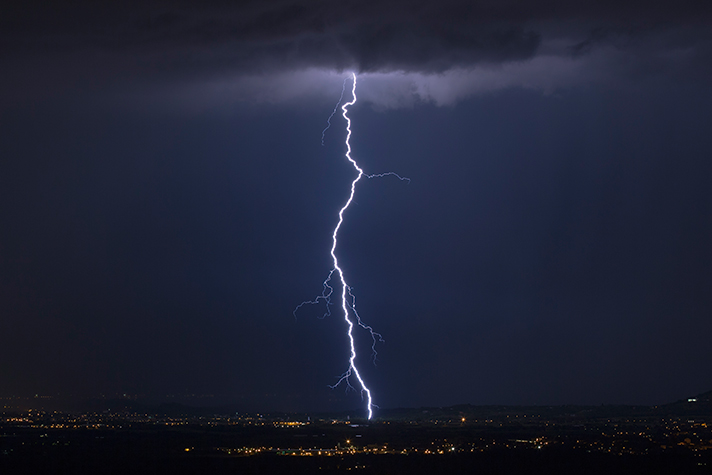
x: 124, y: 436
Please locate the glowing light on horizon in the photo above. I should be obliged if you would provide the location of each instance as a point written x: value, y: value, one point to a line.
x: 348, y: 300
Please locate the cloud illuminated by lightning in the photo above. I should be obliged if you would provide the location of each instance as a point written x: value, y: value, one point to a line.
x: 348, y: 300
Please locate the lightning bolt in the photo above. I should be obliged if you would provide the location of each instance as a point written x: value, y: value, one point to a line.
x: 348, y: 300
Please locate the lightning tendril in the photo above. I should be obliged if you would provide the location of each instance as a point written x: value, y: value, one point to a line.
x: 336, y: 107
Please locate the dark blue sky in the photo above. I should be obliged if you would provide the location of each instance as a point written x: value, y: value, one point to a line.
x: 161, y: 223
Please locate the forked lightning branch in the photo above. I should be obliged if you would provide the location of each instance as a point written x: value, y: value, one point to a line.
x: 351, y: 376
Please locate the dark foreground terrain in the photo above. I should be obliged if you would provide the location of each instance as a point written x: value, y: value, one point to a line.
x: 671, y: 439
x: 119, y: 460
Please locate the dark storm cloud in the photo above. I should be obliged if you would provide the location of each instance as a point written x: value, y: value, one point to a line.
x: 367, y: 36
x: 216, y: 53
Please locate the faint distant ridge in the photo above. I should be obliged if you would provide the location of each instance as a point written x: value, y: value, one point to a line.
x: 701, y: 399
x: 695, y: 406
x: 692, y: 407
x: 172, y: 409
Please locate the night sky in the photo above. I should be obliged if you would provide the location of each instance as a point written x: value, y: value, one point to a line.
x: 166, y: 202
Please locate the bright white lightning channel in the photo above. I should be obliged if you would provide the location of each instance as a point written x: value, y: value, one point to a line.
x: 348, y: 301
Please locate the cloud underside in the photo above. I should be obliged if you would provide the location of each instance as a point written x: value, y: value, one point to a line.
x: 261, y: 41
x: 269, y: 36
